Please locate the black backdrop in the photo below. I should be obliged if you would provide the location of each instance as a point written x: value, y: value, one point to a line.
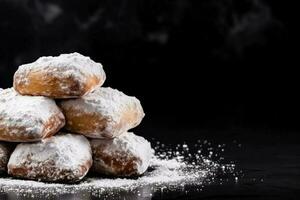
x: 217, y: 65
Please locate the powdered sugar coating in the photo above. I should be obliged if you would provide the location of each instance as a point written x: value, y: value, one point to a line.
x: 72, y: 66
x: 27, y: 116
x: 63, y: 157
x: 112, y: 105
x: 125, y: 155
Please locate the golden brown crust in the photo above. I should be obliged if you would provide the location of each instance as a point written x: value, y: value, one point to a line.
x: 64, y: 76
x: 82, y: 122
x: 52, y: 126
x: 5, y: 136
x: 57, y: 121
x: 126, y: 155
x: 103, y: 113
x: 92, y: 124
x: 122, y: 166
x: 43, y: 171
x: 61, y: 158
x: 41, y: 84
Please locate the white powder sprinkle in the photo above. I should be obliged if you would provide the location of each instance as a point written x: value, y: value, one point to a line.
x: 169, y: 168
x: 73, y: 64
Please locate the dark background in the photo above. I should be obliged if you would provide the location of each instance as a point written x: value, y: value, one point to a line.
x: 204, y: 65
x: 222, y: 70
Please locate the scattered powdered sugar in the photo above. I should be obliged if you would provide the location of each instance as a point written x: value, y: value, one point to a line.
x: 170, y: 168
x: 136, y: 149
x: 54, y: 157
x: 30, y: 113
x: 72, y: 65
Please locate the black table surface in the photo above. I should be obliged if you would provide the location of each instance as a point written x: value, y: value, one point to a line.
x: 269, y: 161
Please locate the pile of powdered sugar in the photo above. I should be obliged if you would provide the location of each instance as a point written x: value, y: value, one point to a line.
x: 170, y: 168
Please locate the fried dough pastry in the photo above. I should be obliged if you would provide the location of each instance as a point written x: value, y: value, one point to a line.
x: 65, y: 76
x: 126, y: 155
x: 27, y: 118
x: 103, y: 113
x: 61, y: 158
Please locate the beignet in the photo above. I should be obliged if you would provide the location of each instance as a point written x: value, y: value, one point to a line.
x: 126, y: 155
x: 103, y: 113
x: 64, y: 76
x: 28, y: 118
x: 61, y: 158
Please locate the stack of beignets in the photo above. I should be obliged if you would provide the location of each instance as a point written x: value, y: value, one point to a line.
x: 30, y: 116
